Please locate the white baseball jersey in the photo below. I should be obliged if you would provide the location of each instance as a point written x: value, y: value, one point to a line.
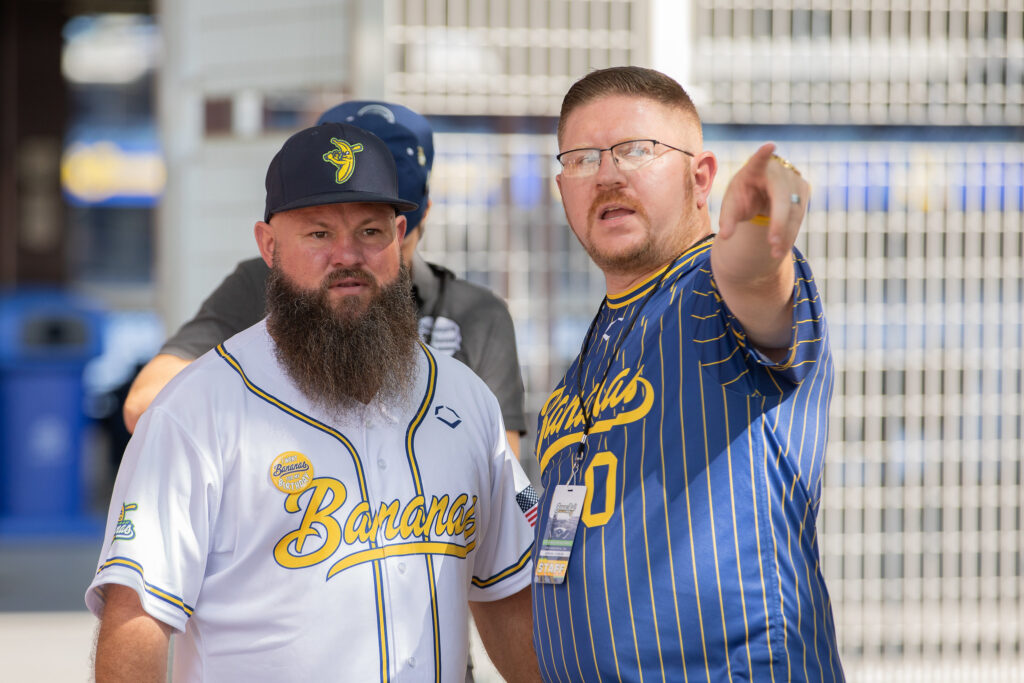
x: 287, y: 544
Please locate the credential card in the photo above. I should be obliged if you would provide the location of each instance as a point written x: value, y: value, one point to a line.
x: 559, y: 533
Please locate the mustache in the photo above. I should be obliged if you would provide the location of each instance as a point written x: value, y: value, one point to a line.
x: 362, y: 276
x: 614, y: 196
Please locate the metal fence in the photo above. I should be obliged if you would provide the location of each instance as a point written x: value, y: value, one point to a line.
x: 918, y: 251
x: 779, y: 61
x: 505, y: 57
x: 848, y: 62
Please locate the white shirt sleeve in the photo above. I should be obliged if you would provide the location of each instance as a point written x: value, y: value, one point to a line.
x: 161, y: 514
x: 503, y: 563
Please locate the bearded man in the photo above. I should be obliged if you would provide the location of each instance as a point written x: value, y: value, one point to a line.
x: 338, y: 493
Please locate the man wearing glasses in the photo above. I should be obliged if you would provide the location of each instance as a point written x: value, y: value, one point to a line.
x: 686, y: 441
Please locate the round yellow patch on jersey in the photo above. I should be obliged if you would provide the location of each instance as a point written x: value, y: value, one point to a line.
x: 291, y: 472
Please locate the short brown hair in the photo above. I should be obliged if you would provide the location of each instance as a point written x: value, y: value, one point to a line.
x: 626, y: 80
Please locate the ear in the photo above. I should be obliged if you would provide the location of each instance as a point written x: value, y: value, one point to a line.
x: 705, y: 166
x: 400, y: 225
x: 265, y: 240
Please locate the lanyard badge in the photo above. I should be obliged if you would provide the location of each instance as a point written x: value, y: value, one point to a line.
x: 559, y: 533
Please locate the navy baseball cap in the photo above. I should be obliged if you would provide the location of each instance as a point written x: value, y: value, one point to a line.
x: 332, y: 163
x: 409, y: 137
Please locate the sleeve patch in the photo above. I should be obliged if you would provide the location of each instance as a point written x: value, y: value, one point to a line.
x: 528, y: 499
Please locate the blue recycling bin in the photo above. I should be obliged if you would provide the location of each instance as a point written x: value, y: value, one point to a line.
x: 46, y: 339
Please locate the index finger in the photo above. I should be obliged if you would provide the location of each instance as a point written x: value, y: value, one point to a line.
x: 741, y: 201
x: 758, y: 162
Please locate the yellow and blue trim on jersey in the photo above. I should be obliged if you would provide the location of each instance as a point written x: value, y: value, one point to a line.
x: 504, y: 573
x: 154, y: 590
x: 428, y: 547
x: 298, y: 415
x: 641, y: 289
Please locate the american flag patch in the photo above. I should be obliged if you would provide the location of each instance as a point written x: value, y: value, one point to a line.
x: 527, y: 499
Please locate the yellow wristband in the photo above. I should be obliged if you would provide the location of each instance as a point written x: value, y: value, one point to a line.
x: 760, y: 219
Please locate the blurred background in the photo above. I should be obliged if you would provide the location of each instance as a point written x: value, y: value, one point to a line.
x: 135, y: 134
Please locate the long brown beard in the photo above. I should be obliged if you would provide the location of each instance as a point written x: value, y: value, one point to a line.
x: 340, y: 358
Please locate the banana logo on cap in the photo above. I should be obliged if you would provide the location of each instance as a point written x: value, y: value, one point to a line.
x: 343, y: 158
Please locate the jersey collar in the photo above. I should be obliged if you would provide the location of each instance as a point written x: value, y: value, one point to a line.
x: 684, y: 263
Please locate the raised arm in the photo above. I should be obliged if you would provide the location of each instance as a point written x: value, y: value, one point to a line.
x: 506, y: 629
x: 132, y: 646
x: 160, y: 370
x: 237, y: 303
x: 752, y: 262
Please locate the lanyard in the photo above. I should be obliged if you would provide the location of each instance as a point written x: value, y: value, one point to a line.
x: 588, y: 419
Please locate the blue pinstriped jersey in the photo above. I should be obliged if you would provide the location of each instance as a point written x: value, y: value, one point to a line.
x: 696, y: 558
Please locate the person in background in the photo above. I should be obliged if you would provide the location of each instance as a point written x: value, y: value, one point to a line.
x: 681, y: 456
x: 456, y: 317
x: 322, y: 495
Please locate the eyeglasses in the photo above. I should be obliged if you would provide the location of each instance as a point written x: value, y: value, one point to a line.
x: 628, y: 156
